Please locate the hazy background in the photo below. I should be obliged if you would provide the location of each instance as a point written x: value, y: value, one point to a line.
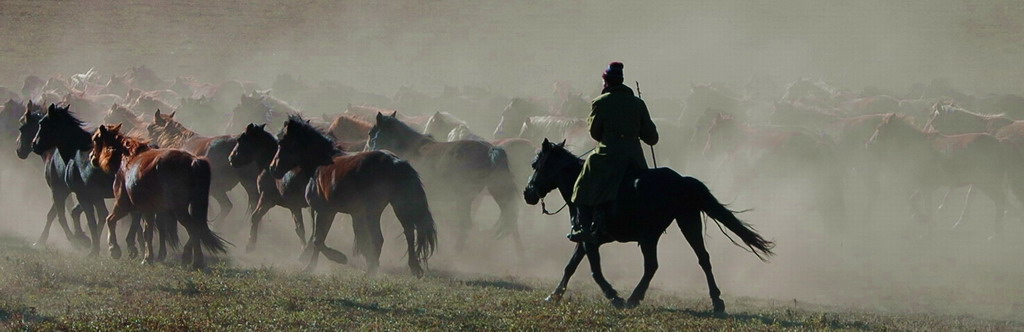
x: 520, y: 48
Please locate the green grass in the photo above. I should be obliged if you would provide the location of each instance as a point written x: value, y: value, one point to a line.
x: 46, y: 289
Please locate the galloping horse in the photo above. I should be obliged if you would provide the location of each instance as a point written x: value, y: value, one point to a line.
x: 646, y: 208
x: 257, y: 146
x: 456, y: 172
x: 350, y: 131
x: 361, y: 185
x: 154, y: 181
x: 130, y: 122
x: 171, y: 134
x: 928, y: 160
x: 59, y: 190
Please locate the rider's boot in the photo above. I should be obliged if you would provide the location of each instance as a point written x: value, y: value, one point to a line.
x: 581, y: 230
x: 601, y: 213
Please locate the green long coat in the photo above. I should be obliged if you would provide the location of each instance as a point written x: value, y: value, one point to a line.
x: 618, y: 121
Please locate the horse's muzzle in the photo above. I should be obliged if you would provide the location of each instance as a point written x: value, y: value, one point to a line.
x: 531, y: 196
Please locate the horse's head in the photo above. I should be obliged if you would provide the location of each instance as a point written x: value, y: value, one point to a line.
x: 513, y: 116
x: 55, y: 127
x: 439, y: 125
x: 254, y: 144
x: 160, y: 122
x: 389, y: 133
x: 107, y: 148
x: 300, y: 144
x: 550, y: 166
x: 28, y: 129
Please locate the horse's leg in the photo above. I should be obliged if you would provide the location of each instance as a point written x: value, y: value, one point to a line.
x: 90, y: 216
x: 300, y: 227
x: 193, y: 240
x: 464, y: 221
x: 120, y: 210
x: 148, y: 226
x: 82, y: 240
x: 308, y: 249
x: 225, y: 205
x: 594, y: 257
x: 650, y: 251
x: 504, y: 193
x: 101, y: 215
x: 967, y: 205
x: 410, y: 241
x: 690, y: 227
x: 50, y: 216
x: 322, y: 225
x: 375, y: 244
x: 252, y: 193
x: 167, y: 226
x: 570, y: 269
x: 257, y: 215
x: 60, y: 212
x: 133, y: 235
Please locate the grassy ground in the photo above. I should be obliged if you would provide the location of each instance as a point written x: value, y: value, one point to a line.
x: 47, y: 289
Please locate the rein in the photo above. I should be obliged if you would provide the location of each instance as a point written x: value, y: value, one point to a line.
x: 544, y: 208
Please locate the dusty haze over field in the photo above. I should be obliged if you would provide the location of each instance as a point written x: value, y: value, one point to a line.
x: 520, y: 48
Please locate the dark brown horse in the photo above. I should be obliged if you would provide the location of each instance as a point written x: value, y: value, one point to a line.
x: 361, y: 185
x: 644, y: 212
x: 171, y: 134
x: 257, y: 146
x: 455, y: 173
x: 259, y: 107
x: 927, y: 160
x: 367, y: 113
x: 156, y: 181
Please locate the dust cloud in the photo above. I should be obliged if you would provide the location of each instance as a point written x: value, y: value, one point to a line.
x: 877, y: 259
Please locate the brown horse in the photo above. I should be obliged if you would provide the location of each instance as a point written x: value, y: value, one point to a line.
x: 350, y: 131
x: 155, y: 181
x: 455, y: 172
x: 927, y: 160
x: 361, y: 185
x: 257, y: 146
x: 171, y: 134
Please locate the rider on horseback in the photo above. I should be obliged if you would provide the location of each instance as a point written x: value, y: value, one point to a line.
x: 618, y: 121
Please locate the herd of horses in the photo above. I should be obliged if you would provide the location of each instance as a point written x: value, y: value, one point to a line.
x: 135, y: 139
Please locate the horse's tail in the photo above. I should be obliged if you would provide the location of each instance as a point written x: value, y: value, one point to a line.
x: 710, y: 206
x: 411, y: 207
x: 502, y: 186
x: 199, y: 196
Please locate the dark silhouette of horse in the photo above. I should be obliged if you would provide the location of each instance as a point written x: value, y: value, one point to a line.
x: 171, y: 134
x: 59, y: 190
x: 256, y: 146
x: 361, y: 185
x: 259, y: 107
x: 153, y: 181
x: 927, y: 160
x: 515, y: 114
x: 645, y: 209
x: 455, y: 173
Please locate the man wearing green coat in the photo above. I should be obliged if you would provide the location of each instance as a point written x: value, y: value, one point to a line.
x: 618, y: 121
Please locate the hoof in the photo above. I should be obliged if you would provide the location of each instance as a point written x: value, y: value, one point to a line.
x: 115, y: 252
x: 335, y: 256
x: 417, y: 271
x: 632, y: 304
x: 553, y: 298
x: 719, y: 306
x: 41, y: 244
x: 94, y: 253
x: 133, y: 253
x: 250, y: 247
x: 618, y: 303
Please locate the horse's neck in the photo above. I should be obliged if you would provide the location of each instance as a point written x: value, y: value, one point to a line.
x: 568, y: 182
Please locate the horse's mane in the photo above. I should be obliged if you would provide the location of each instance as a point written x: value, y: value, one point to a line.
x: 404, y: 130
x: 132, y: 145
x: 62, y: 113
x: 948, y: 108
x: 173, y: 134
x: 306, y: 130
x: 447, y: 118
x: 343, y: 119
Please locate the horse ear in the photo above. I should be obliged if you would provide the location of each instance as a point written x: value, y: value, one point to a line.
x: 395, y: 114
x: 546, y: 143
x: 115, y: 128
x: 380, y: 116
x: 249, y: 126
x: 52, y: 108
x: 263, y: 126
x: 103, y: 129
x: 562, y: 144
x: 172, y: 115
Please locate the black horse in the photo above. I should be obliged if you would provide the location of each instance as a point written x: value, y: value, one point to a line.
x: 645, y: 209
x: 361, y: 185
x: 59, y: 191
x: 59, y: 129
x: 257, y: 146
